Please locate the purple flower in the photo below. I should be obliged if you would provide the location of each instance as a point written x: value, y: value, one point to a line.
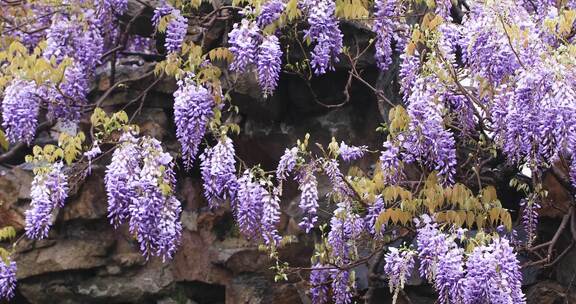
x: 308, y: 185
x: 409, y: 69
x: 443, y: 9
x: 287, y: 163
x: 154, y: 210
x: 374, y: 211
x: 345, y: 227
x: 427, y: 140
x: 342, y: 287
x: 243, y: 41
x: 249, y: 205
x: 193, y: 110
x: 65, y: 100
x: 49, y: 191
x: 176, y: 32
x: 350, y: 153
x: 386, y: 13
x: 7, y: 278
x: 271, y: 218
x: 441, y: 262
x: 270, y: 12
x: 339, y: 185
x: 431, y: 244
x: 325, y: 33
x: 121, y: 179
x: 530, y: 218
x: 268, y: 64
x: 117, y: 6
x: 319, y: 283
x: 160, y: 12
x: 493, y: 275
x: 64, y: 39
x: 449, y: 274
x: 391, y: 164
x: 398, y: 268
x: 219, y: 172
x: 20, y: 111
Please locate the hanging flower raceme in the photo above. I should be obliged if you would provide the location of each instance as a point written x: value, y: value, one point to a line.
x: 319, y: 283
x: 324, y: 32
x: 534, y: 119
x: 154, y: 211
x: 269, y: 62
x: 443, y: 9
x: 409, y: 69
x: 391, y: 164
x: 249, y: 205
x: 372, y: 216
x: 342, y: 287
x: 271, y: 218
x: 386, y: 12
x: 219, y: 172
x: 193, y: 110
x: 346, y: 226
x: 427, y: 140
x: 493, y: 274
x: 121, y: 178
x: 49, y: 191
x: 351, y: 153
x: 140, y: 183
x: 244, y: 41
x: 77, y: 37
x: 176, y: 28
x: 287, y: 163
x: 270, y: 12
x: 7, y: 278
x: 20, y: 110
x: 530, y: 218
x: 176, y: 32
x: 339, y: 186
x: 65, y: 100
x: 398, y: 268
x: 441, y: 261
x: 308, y: 185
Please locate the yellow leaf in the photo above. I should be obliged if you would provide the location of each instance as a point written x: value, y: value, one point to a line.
x: 494, y: 215
x: 4, y: 141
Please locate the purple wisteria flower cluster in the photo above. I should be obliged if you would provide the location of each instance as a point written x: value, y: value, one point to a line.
x: 218, y: 169
x: 351, y: 153
x: 193, y: 110
x: 140, y: 183
x: 251, y: 47
x: 85, y: 47
x: 257, y: 210
x: 326, y: 35
x: 398, y: 268
x: 287, y: 163
x: 49, y: 191
x: 530, y: 218
x: 270, y: 12
x: 176, y: 28
x: 490, y: 274
x: 387, y: 26
x: 7, y: 278
x: 20, y: 109
x: 308, y: 185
